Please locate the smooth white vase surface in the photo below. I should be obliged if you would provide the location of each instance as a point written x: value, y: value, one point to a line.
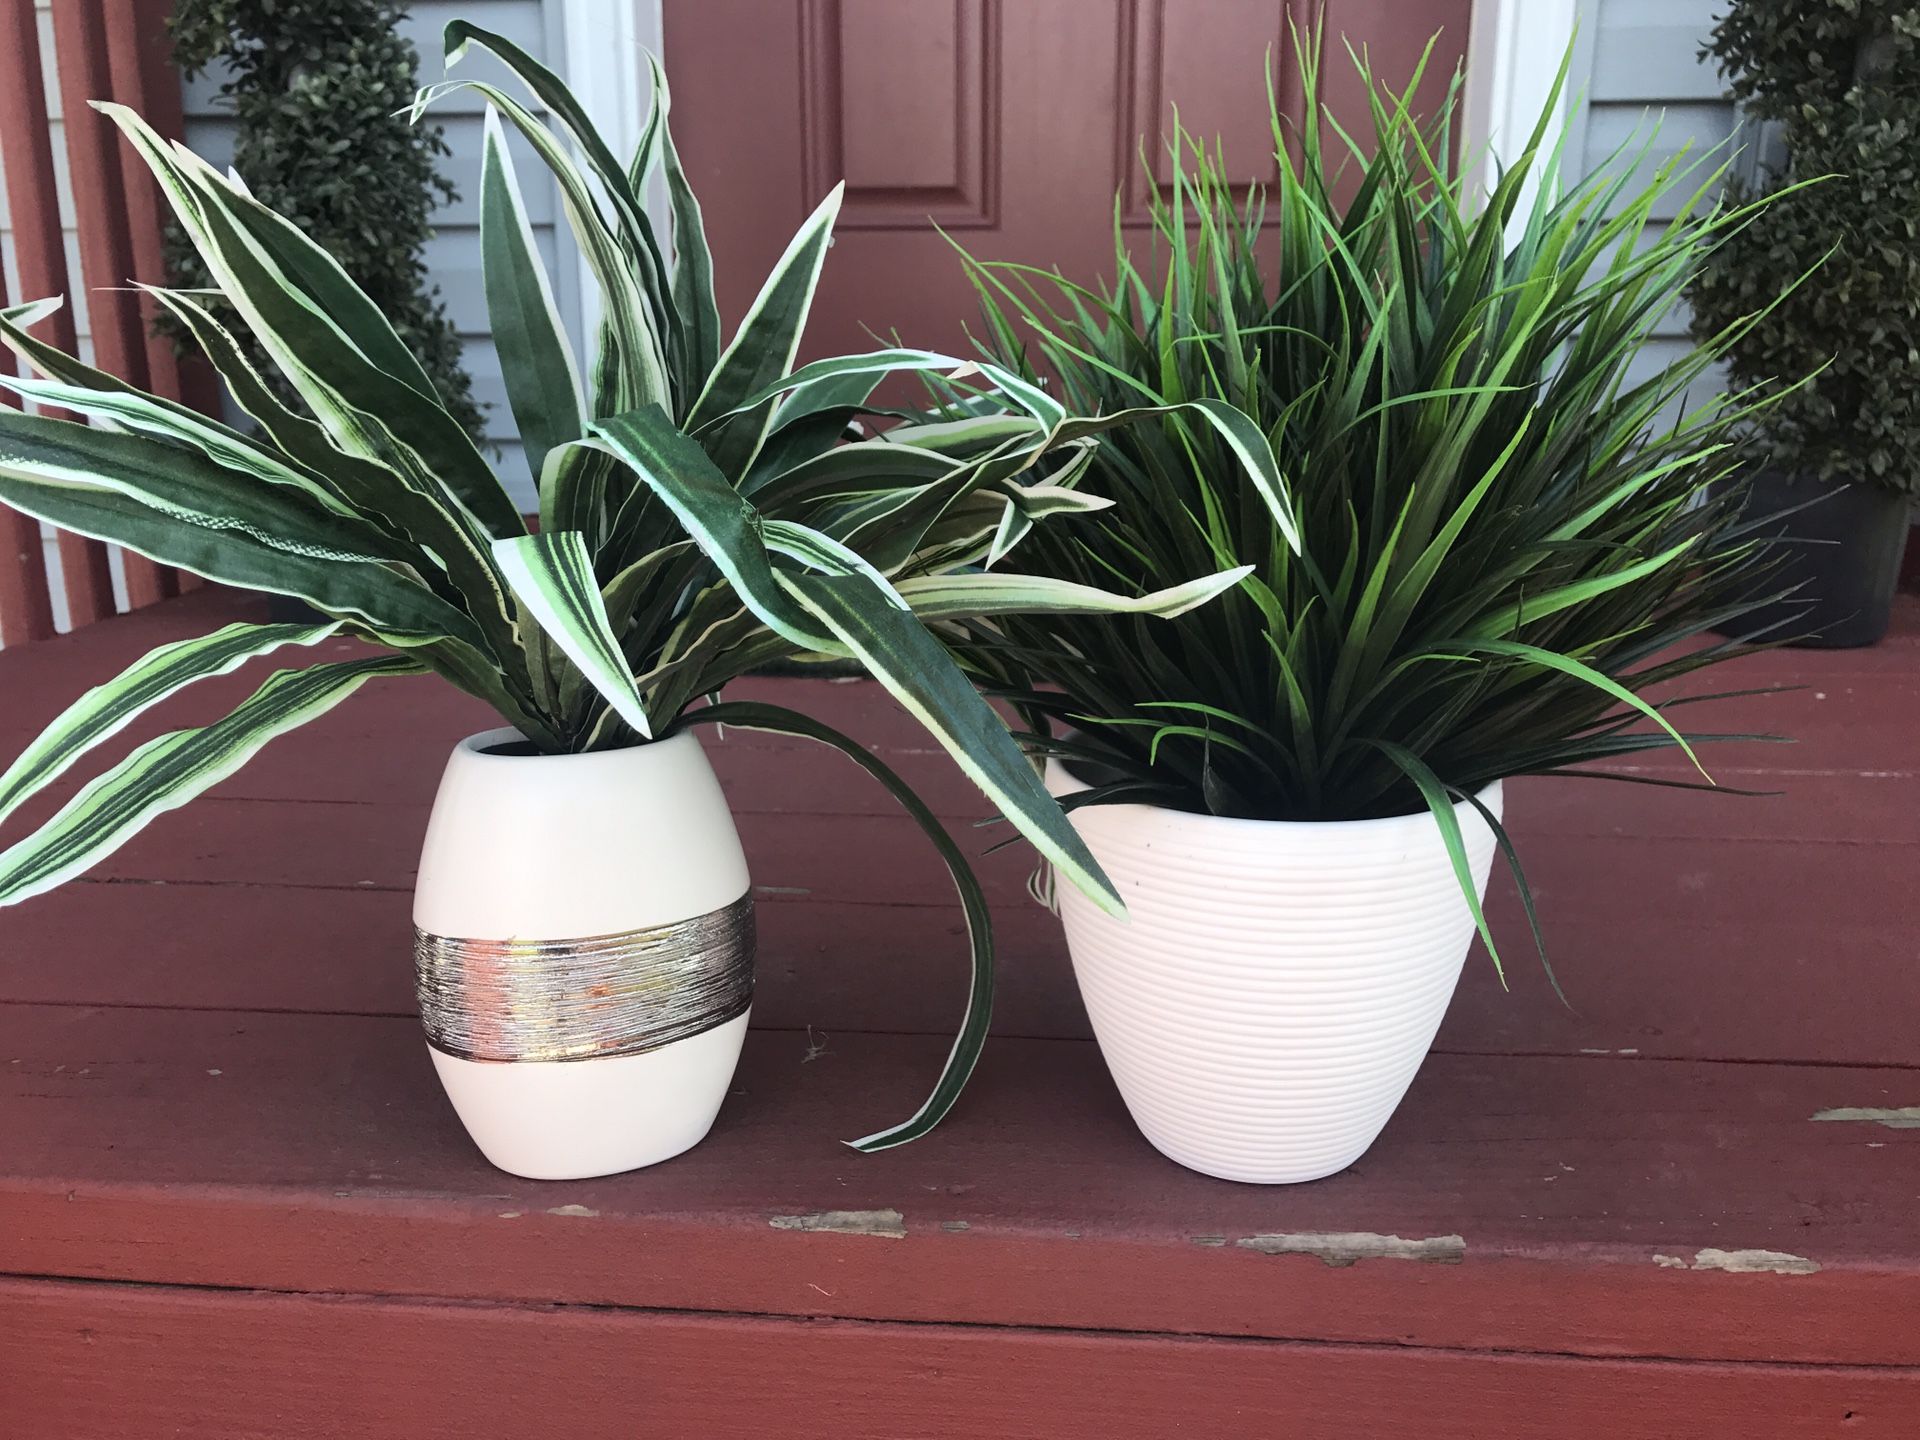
x: 584, y: 950
x: 1277, y: 984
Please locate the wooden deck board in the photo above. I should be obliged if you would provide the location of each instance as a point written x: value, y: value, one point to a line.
x: 1736, y: 965
x: 307, y: 1153
x: 242, y: 1365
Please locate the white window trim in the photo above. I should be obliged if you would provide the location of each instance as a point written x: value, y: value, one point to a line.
x: 1514, y: 50
x: 601, y: 43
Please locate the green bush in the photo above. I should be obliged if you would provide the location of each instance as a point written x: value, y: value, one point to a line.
x: 320, y: 89
x: 1841, y: 78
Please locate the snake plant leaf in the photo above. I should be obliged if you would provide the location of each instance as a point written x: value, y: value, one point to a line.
x: 131, y: 410
x: 381, y: 599
x: 897, y: 650
x: 543, y: 384
x: 762, y: 350
x: 724, y: 525
x: 955, y: 596
x: 820, y: 551
x: 978, y: 1015
x: 185, y: 486
x: 620, y: 187
x: 693, y: 298
x: 107, y: 709
x: 1244, y: 439
x: 363, y: 407
x: 552, y: 576
x: 635, y: 371
x: 167, y: 772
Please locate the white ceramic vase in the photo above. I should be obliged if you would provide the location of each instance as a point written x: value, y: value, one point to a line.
x: 1276, y: 985
x: 584, y: 950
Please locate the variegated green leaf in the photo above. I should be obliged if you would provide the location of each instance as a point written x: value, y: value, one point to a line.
x: 694, y: 306
x: 543, y: 385
x: 822, y: 552
x: 382, y: 599
x: 184, y: 485
x: 724, y: 525
x: 763, y: 348
x: 898, y: 652
x: 106, y: 710
x: 552, y: 576
x: 167, y: 772
x: 978, y: 1015
x: 958, y: 596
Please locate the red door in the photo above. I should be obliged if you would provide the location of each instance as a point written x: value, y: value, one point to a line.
x: 1010, y: 123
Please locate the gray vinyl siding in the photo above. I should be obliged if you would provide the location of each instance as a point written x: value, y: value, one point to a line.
x: 1638, y: 61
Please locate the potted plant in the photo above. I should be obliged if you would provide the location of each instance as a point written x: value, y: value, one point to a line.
x: 583, y: 913
x: 1828, y: 88
x: 1489, y: 544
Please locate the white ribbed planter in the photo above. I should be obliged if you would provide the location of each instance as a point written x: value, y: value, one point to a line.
x: 618, y: 848
x: 1276, y: 985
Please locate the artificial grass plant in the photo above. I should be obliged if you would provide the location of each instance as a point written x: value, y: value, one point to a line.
x: 1495, y: 527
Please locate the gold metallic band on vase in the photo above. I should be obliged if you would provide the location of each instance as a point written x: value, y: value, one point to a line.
x: 588, y: 998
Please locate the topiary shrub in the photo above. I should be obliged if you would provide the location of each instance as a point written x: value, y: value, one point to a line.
x: 1841, y: 78
x: 320, y: 89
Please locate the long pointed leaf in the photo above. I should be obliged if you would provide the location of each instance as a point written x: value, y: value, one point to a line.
x: 974, y: 1022
x: 897, y: 650
x: 543, y: 384
x: 167, y: 772
x: 106, y: 710
x: 552, y: 576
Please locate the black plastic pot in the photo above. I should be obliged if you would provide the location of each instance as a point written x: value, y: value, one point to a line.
x: 1838, y: 547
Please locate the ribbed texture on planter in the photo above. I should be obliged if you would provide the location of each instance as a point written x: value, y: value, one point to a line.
x: 1276, y: 986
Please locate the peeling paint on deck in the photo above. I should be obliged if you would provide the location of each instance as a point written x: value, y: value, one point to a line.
x: 1341, y: 1248
x: 1907, y: 1117
x: 578, y: 1212
x: 887, y: 1224
x: 1755, y: 1262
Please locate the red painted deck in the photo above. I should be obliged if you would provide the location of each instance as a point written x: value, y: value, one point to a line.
x: 234, y: 1203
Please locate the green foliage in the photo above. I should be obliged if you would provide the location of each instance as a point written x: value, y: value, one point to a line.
x: 700, y: 515
x: 1841, y: 80
x: 1499, y: 539
x: 317, y: 89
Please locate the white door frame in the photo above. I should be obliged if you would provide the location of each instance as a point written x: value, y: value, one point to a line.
x: 601, y: 44
x: 1514, y: 50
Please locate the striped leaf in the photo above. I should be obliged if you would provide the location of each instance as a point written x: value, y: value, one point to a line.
x: 898, y: 652
x: 363, y: 406
x: 978, y: 1015
x: 822, y: 552
x: 621, y: 188
x: 693, y: 302
x: 552, y: 576
x: 382, y: 599
x: 963, y: 595
x: 726, y: 527
x: 106, y: 710
x: 173, y: 769
x: 543, y: 385
x: 763, y: 348
x: 1244, y: 438
x: 189, y: 487
x: 632, y: 314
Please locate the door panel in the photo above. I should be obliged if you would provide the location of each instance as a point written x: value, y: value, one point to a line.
x: 1011, y: 124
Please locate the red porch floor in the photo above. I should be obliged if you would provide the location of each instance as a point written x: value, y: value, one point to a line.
x: 233, y: 1201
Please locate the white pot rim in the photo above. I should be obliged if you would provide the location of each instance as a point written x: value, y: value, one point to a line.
x: 479, y: 744
x: 1062, y: 782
